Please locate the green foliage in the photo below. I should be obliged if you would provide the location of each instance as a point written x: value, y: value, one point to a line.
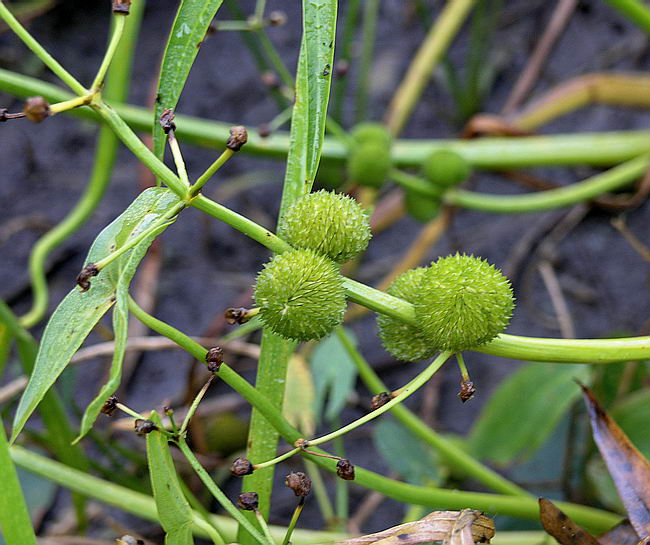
x: 464, y: 302
x: 300, y: 294
x: 328, y: 223
x: 174, y: 511
x: 334, y: 374
x: 524, y: 410
x: 187, y: 33
x: 78, y: 313
x: 369, y: 163
x: 445, y: 168
x: 404, y: 341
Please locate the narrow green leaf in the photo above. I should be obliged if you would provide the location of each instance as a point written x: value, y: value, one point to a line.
x: 15, y: 523
x: 78, y: 313
x: 188, y: 31
x: 174, y: 510
x: 524, y: 410
x: 334, y: 375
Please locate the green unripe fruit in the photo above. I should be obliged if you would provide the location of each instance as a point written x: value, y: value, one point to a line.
x: 404, y: 341
x: 369, y: 163
x: 445, y: 168
x: 420, y: 207
x: 300, y: 295
x: 329, y: 223
x: 464, y: 302
x: 371, y: 132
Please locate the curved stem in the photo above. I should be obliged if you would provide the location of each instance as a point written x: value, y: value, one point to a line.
x: 40, y: 51
x: 116, y: 36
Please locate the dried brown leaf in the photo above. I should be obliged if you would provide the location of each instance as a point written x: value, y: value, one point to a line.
x: 629, y: 469
x: 464, y: 527
x: 621, y: 534
x: 561, y: 527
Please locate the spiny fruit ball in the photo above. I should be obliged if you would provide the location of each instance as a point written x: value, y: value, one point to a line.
x: 404, y: 341
x: 445, y: 168
x: 300, y: 295
x: 329, y: 223
x: 464, y: 302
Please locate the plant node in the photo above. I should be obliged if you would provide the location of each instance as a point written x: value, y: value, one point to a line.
x: 380, y: 400
x: 214, y: 358
x: 83, y: 278
x: 167, y: 120
x: 143, y: 427
x: 110, y: 406
x: 239, y: 315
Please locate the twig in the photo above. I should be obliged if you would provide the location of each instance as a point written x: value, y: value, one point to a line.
x: 631, y: 238
x: 558, y: 301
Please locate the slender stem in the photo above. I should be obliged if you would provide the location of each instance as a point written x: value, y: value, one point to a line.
x: 178, y: 159
x: 239, y: 26
x: 344, y: 53
x: 463, y: 368
x: 259, y: 11
x: 210, y: 171
x: 277, y: 459
x: 264, y: 526
x: 218, y: 494
x: 426, y: 59
x: 320, y: 491
x: 128, y: 411
x: 634, y: 10
x: 370, y: 10
x: 165, y: 219
x: 194, y: 406
x: 407, y: 391
x: 294, y: 520
x: 118, y: 30
x: 40, y: 51
x: 72, y: 103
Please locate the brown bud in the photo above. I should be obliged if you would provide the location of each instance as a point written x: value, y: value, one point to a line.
x: 264, y: 130
x: 248, y: 501
x: 237, y: 316
x: 110, y: 406
x: 341, y: 68
x: 380, y: 400
x: 467, y: 390
x: 345, y: 470
x: 214, y: 358
x: 36, y: 109
x: 168, y: 411
x: 83, y: 278
x: 270, y: 79
x: 241, y: 467
x: 238, y: 137
x: 143, y: 427
x: 167, y: 120
x: 121, y: 6
x: 299, y: 483
x: 277, y: 18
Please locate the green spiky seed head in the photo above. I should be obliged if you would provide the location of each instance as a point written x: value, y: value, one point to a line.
x: 371, y: 132
x: 445, y: 168
x: 300, y: 295
x: 420, y: 207
x: 329, y: 223
x: 463, y: 302
x: 404, y: 341
x: 369, y: 163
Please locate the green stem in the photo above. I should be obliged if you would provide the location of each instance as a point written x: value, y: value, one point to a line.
x: 211, y: 170
x: 66, y: 105
x: 178, y: 159
x: 40, y: 51
x: 370, y: 10
x: 464, y: 373
x: 277, y: 459
x: 320, y: 491
x: 634, y: 10
x: 217, y: 493
x: 119, y: 22
x: 195, y: 405
x: 293, y: 521
x: 453, y: 454
x: 345, y: 44
x: 590, y: 188
x: 129, y: 411
x: 405, y: 392
x: 265, y: 527
x: 493, y: 153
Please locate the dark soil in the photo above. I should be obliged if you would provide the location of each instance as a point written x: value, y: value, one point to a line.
x: 208, y: 267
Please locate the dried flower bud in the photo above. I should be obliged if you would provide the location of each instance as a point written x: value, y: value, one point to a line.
x: 299, y: 483
x: 380, y: 400
x: 36, y: 109
x: 167, y: 120
x: 248, y: 501
x: 214, y: 358
x: 237, y: 316
x: 300, y: 295
x: 83, y: 278
x: 264, y: 130
x: 143, y: 427
x: 241, y: 467
x: 121, y: 6
x: 277, y: 18
x: 238, y: 137
x: 168, y: 411
x: 270, y: 79
x: 467, y: 390
x: 345, y: 470
x: 110, y: 406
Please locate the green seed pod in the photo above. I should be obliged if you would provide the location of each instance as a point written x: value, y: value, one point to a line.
x: 421, y: 207
x: 329, y: 223
x: 300, y: 295
x: 405, y: 341
x: 464, y: 302
x: 369, y: 163
x: 371, y: 132
x: 445, y: 168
